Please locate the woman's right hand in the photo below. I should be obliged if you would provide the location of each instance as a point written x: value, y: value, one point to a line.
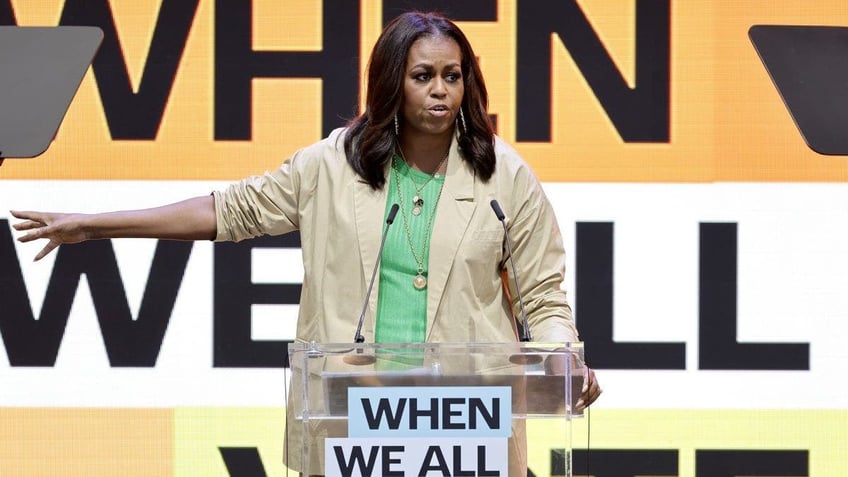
x: 190, y: 219
x: 56, y: 228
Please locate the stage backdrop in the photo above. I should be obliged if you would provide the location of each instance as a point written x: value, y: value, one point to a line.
x: 707, y: 259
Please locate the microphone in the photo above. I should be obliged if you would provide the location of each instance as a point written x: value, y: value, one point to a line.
x: 359, y: 358
x: 358, y: 338
x: 525, y: 328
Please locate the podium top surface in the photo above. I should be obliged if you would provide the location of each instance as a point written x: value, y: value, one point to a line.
x: 513, y: 349
x: 809, y: 67
x: 40, y: 71
x: 548, y: 376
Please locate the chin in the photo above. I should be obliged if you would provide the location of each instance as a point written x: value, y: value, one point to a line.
x: 441, y: 129
x: 432, y: 128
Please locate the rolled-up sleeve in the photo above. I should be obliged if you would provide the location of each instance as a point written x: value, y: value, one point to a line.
x: 539, y: 261
x: 266, y: 204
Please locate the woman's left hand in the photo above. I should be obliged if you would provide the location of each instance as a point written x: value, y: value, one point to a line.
x: 591, y: 390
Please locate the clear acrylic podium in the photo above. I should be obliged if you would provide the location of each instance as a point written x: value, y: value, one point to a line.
x: 432, y: 408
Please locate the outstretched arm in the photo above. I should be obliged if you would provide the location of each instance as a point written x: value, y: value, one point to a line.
x: 192, y: 219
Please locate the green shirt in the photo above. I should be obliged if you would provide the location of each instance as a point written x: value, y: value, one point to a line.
x: 402, y: 308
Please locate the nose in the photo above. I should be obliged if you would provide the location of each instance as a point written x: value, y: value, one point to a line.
x: 438, y: 90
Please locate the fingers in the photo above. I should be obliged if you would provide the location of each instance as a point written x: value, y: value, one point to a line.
x: 27, y: 215
x: 591, y: 391
x: 35, y: 221
x: 38, y: 231
x: 31, y: 220
x: 26, y: 225
x: 38, y: 225
x: 51, y: 245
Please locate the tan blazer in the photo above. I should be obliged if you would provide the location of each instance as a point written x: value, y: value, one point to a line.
x: 340, y: 219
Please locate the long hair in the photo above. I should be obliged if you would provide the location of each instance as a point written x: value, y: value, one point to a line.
x: 371, y: 139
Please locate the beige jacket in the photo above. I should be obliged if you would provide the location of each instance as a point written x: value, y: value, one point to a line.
x: 340, y: 219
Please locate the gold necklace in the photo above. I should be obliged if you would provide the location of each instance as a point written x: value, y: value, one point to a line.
x: 417, y: 201
x: 420, y: 281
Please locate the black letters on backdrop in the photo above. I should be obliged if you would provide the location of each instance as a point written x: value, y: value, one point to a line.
x: 235, y: 293
x: 129, y: 342
x: 718, y: 346
x: 130, y: 115
x: 236, y: 64
x: 31, y: 342
x: 246, y: 462
x: 639, y: 114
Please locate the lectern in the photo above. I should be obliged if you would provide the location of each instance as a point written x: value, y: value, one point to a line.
x: 433, y: 409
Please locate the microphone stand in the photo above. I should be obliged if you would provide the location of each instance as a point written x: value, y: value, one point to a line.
x: 358, y: 337
x: 521, y: 359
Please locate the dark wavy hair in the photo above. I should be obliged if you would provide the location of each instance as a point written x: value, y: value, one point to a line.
x: 371, y: 139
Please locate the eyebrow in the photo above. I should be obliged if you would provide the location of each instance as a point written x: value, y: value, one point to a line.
x: 430, y: 66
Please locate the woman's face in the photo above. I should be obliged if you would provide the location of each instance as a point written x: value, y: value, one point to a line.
x: 433, y: 86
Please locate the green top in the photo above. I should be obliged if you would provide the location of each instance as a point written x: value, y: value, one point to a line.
x: 401, y: 307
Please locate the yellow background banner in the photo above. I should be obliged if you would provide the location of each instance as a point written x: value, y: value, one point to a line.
x: 728, y: 122
x: 39, y: 442
x: 188, y: 442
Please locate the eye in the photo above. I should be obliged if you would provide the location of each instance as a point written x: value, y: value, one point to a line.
x: 453, y: 77
x: 422, y: 77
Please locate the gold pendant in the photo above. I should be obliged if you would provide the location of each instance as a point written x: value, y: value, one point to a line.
x: 416, y: 211
x: 419, y: 282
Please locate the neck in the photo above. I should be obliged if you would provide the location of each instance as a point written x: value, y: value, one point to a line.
x: 425, y: 154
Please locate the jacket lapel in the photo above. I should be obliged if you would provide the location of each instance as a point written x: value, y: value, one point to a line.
x: 369, y: 232
x: 455, y: 209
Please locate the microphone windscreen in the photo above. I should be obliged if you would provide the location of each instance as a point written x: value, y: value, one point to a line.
x: 392, y: 213
x: 497, y: 208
